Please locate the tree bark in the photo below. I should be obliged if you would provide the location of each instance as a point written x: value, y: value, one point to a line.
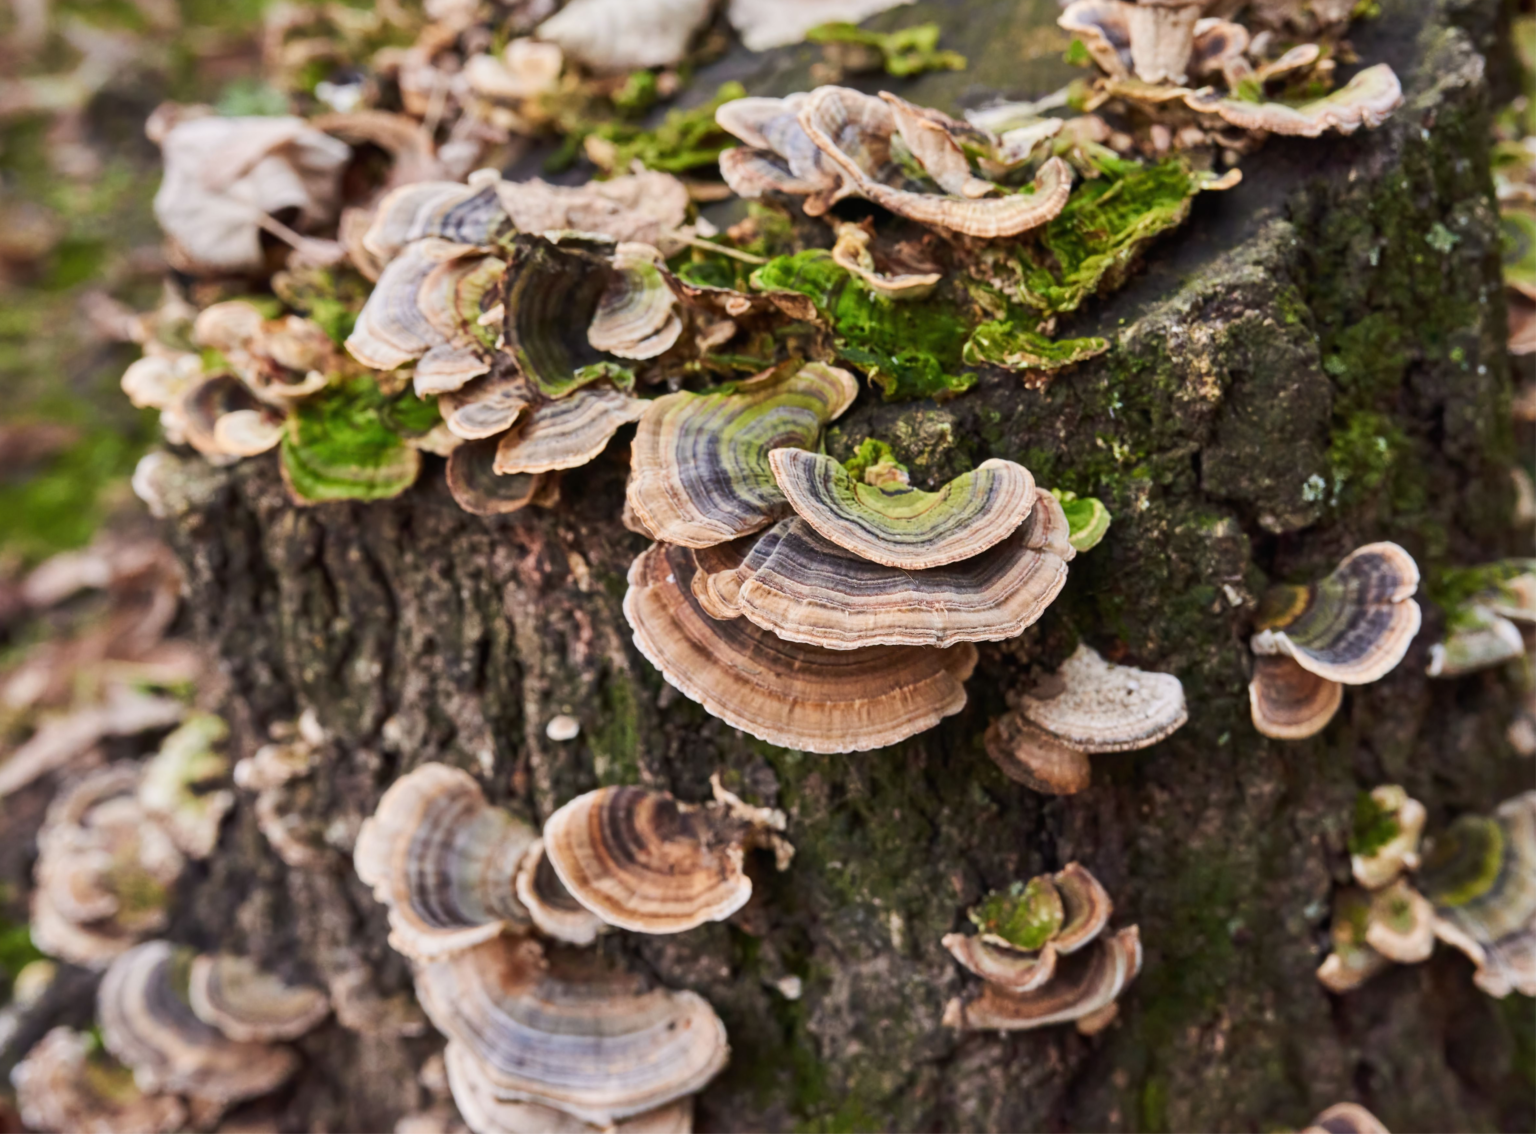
x: 1299, y: 370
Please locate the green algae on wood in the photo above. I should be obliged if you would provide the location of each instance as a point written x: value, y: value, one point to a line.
x: 1374, y: 826
x: 1087, y: 519
x: 1014, y: 346
x: 345, y: 444
x: 903, y: 53
x: 1024, y: 915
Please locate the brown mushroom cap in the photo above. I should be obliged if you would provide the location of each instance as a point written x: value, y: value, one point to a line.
x: 63, y: 1085
x: 478, y: 488
x: 1015, y: 970
x: 147, y: 1023
x: 1087, y: 907
x: 1031, y: 756
x: 1287, y: 702
x: 1346, y: 1118
x: 247, y: 1003
x: 443, y: 861
x: 1103, y: 27
x: 567, y: 433
x: 1402, y: 924
x: 642, y: 861
x: 1366, y: 100
x: 900, y: 526
x: 1103, y: 707
x: 699, y: 465
x: 486, y: 406
x: 578, y: 1035
x: 554, y: 912
x: 805, y: 588
x: 1084, y: 983
x: 786, y: 693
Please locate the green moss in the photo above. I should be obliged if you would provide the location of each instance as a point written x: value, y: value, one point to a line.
x: 1017, y: 347
x: 1374, y: 826
x: 685, y: 139
x: 869, y: 454
x: 904, y: 52
x: 1464, y: 862
x: 332, y: 297
x: 615, y: 742
x: 16, y: 951
x: 344, y: 444
x: 1025, y: 915
x: 1450, y: 587
x: 1362, y: 452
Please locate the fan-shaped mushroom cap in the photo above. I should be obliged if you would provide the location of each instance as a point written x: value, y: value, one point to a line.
x: 621, y: 35
x: 63, y: 1085
x: 392, y: 329
x: 1385, y: 842
x: 475, y: 1095
x: 1401, y: 926
x: 1086, y: 905
x: 1366, y: 100
x: 635, y: 316
x: 204, y: 404
x: 478, y: 488
x: 1346, y: 1118
x: 452, y: 299
x: 1220, y: 47
x: 567, y: 433
x: 1480, y: 876
x: 794, y: 695
x: 1162, y: 40
x: 549, y: 903
x: 642, y: 861
x: 782, y: 155
x: 1084, y: 983
x: 1289, y: 703
x: 463, y: 214
x: 104, y: 870
x: 578, y: 1036
x: 175, y: 786
x: 1024, y: 916
x: 1103, y: 707
x: 644, y: 206
x: 147, y: 1023
x: 1476, y: 638
x: 1352, y: 627
x: 247, y: 1003
x: 1031, y: 756
x: 247, y: 432
x: 1015, y: 970
x: 443, y: 861
x: 486, y: 406
x: 807, y: 589
x: 930, y: 137
x: 851, y: 253
x: 699, y: 465
x: 1353, y: 961
x: 854, y: 131
x: 1087, y: 519
x: 899, y: 526
x: 1103, y: 27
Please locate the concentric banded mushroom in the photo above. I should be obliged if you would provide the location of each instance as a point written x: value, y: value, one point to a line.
x: 635, y: 317
x: 807, y: 589
x: 1031, y: 756
x: 554, y: 291
x: 478, y: 488
x: 700, y: 473
x: 148, y: 1024
x: 549, y: 903
x: 1480, y: 876
x: 1288, y: 702
x: 567, y: 433
x: 578, y: 1036
x: 1385, y: 838
x: 443, y: 861
x: 63, y: 1085
x: 464, y: 214
x: 1084, y: 985
x: 897, y: 525
x: 799, y: 696
x: 643, y: 861
x: 452, y: 298
x: 1366, y: 100
x: 249, y: 1004
x: 392, y: 329
x: 1346, y: 1118
x: 486, y: 407
x: 1352, y: 627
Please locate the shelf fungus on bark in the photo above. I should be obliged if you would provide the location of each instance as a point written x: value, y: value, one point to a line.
x: 647, y: 206
x: 1153, y: 42
x: 249, y: 1004
x: 1384, y: 839
x: 779, y: 155
x: 66, y: 1082
x: 1346, y: 1118
x: 148, y: 1024
x: 699, y: 467
x: 805, y: 588
x: 786, y: 693
x: 478, y: 488
x: 1480, y: 877
x: 1483, y: 629
x: 179, y: 784
x: 1366, y: 100
x: 1352, y: 961
x: 1087, y: 519
x: 443, y: 861
x: 104, y: 870
x: 486, y: 407
x: 1024, y: 930
x: 555, y: 913
x: 392, y: 328
x: 446, y: 210
x: 571, y: 1031
x: 567, y: 433
x: 1089, y: 705
x: 1352, y: 628
x: 644, y: 861
x: 883, y: 519
x: 1400, y: 924
x: 635, y: 316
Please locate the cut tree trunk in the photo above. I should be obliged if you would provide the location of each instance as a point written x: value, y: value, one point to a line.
x: 1315, y: 361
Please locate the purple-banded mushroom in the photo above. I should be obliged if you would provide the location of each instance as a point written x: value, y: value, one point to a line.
x: 1288, y: 702
x: 554, y: 911
x: 1083, y: 988
x: 645, y: 206
x: 249, y: 1004
x: 446, y: 210
x: 443, y: 861
x: 566, y: 433
x: 392, y: 329
x: 635, y: 316
x: 798, y: 696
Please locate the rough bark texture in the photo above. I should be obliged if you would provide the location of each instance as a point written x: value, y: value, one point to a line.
x: 1313, y: 362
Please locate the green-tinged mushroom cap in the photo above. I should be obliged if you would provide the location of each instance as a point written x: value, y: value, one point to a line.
x: 635, y: 317
x: 1087, y: 519
x: 554, y: 291
x: 1016, y: 347
x: 1352, y: 627
x: 179, y: 784
x: 699, y: 470
x: 340, y: 447
x: 1026, y: 915
x: 1480, y: 876
x: 1518, y: 226
x: 454, y: 298
x: 1353, y: 961
x: 901, y: 526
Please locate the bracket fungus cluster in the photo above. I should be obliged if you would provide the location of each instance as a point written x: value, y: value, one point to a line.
x: 1473, y: 887
x: 1089, y: 705
x: 1351, y: 628
x: 559, y: 1029
x: 1044, y: 956
x: 1483, y: 629
x: 116, y: 841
